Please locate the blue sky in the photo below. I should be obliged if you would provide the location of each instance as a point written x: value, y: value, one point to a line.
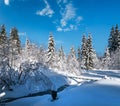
x: 66, y: 19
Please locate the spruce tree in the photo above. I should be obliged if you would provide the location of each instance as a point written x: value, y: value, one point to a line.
x: 42, y: 54
x: 72, y: 52
x: 15, y: 40
x: 89, y: 57
x: 118, y: 40
x: 79, y: 57
x: 14, y: 47
x: 61, y: 53
x: 72, y: 63
x: 115, y: 60
x: 4, y: 47
x: 62, y: 61
x: 114, y: 47
x: 113, y: 41
x: 116, y: 37
x: 51, y: 51
x: 106, y: 61
x: 3, y: 36
x: 84, y: 52
x: 27, y: 48
x: 89, y: 64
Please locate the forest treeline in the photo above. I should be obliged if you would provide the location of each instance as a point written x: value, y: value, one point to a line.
x: 19, y: 63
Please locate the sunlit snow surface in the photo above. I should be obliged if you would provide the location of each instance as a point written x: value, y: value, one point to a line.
x: 97, y: 88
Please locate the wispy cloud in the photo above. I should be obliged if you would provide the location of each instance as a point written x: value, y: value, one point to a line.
x: 6, y: 2
x: 68, y: 14
x: 78, y: 19
x: 22, y: 33
x: 61, y: 1
x: 47, y: 11
x: 68, y: 28
x: 69, y: 18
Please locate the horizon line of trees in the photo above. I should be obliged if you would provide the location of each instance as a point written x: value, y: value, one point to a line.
x: 18, y: 63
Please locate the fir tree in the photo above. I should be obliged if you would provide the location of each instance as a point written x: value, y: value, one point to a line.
x: 89, y: 57
x: 118, y: 40
x: 72, y: 63
x: 42, y: 54
x: 106, y: 60
x: 4, y: 47
x: 27, y: 48
x: 72, y: 52
x: 84, y: 52
x: 51, y: 51
x: 114, y: 48
x: 62, y: 61
x: 3, y: 36
x: 116, y: 35
x: 61, y: 53
x: 14, y: 40
x: 14, y: 47
x: 79, y: 57
x: 89, y: 64
x: 79, y: 54
x: 113, y: 41
x: 115, y: 60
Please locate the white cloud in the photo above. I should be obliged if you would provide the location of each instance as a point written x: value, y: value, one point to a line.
x: 78, y: 19
x: 69, y: 14
x: 68, y: 28
x: 47, y: 11
x: 59, y: 29
x: 61, y: 1
x: 22, y: 33
x: 6, y: 2
x: 69, y: 19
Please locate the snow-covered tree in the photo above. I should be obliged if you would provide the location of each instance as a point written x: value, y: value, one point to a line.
x: 89, y: 64
x: 61, y: 53
x: 3, y: 37
x: 30, y: 52
x: 114, y: 47
x: 106, y: 61
x: 84, y: 52
x: 15, y: 40
x: 111, y: 40
x: 51, y: 51
x: 89, y: 57
x: 115, y: 60
x: 114, y: 39
x: 14, y: 47
x: 60, y: 61
x: 72, y: 63
x: 79, y: 57
x: 41, y: 54
x: 4, y: 49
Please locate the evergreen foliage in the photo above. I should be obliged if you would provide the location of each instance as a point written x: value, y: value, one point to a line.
x: 114, y: 39
x: 88, y: 54
x: 15, y: 41
x: 114, y: 47
x: 51, y: 50
x: 17, y: 63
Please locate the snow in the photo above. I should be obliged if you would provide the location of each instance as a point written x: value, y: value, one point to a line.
x: 105, y: 92
x: 93, y: 88
x: 2, y: 94
x: 31, y: 86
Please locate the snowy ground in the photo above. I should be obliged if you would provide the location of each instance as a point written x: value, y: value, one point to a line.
x: 93, y: 88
